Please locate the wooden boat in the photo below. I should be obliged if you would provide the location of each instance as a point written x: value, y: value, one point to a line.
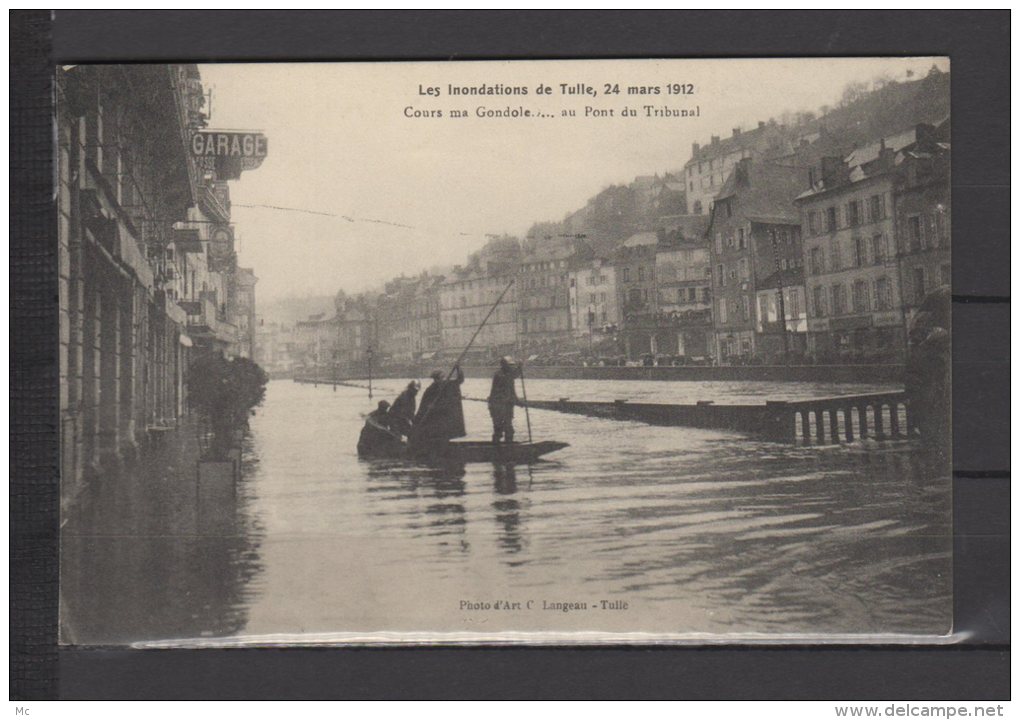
x: 468, y: 451
x: 475, y: 451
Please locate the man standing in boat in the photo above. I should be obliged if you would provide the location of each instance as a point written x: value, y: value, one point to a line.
x: 402, y: 411
x: 502, y: 398
x: 440, y: 416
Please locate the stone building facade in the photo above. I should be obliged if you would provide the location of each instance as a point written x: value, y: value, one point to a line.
x: 143, y: 261
x: 852, y: 273
x: 754, y: 229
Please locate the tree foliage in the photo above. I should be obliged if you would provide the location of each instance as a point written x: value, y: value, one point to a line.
x: 224, y: 391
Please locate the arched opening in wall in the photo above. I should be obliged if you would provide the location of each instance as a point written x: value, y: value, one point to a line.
x: 858, y: 423
x: 883, y: 418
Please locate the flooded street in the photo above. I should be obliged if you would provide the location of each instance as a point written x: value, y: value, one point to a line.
x: 680, y: 530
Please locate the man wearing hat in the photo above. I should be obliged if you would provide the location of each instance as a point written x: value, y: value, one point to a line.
x: 376, y: 437
x: 440, y: 415
x: 402, y: 411
x: 502, y: 398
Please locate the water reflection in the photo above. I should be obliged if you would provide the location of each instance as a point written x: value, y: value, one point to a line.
x: 699, y: 531
x: 153, y: 553
x: 507, y: 509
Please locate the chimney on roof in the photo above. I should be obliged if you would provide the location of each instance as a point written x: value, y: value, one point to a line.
x: 834, y: 171
x: 736, y: 132
x: 761, y: 124
x: 742, y: 172
x: 715, y: 139
x: 885, y: 154
x: 925, y: 135
x: 695, y: 147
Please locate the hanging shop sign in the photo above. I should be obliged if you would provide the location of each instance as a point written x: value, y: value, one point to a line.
x: 228, y: 153
x: 215, y: 143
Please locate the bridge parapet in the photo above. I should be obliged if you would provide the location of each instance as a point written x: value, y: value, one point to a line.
x: 833, y: 420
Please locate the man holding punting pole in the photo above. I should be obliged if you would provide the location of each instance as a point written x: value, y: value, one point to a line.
x: 502, y: 398
x: 440, y: 415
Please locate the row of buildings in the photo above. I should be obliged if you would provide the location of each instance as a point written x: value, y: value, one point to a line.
x: 778, y: 244
x: 147, y: 269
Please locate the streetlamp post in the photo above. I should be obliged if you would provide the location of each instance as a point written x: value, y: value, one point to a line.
x: 336, y: 355
x: 369, y: 353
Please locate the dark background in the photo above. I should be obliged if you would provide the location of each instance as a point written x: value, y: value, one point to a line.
x: 978, y: 45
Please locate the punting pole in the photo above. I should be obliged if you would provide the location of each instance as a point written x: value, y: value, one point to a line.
x: 471, y: 341
x: 524, y: 392
x: 479, y: 328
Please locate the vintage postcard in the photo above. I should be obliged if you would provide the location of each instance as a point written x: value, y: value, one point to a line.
x: 616, y: 351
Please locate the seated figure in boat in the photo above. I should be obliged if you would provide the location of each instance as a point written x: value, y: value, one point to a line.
x: 377, y: 437
x: 440, y: 416
x: 402, y: 411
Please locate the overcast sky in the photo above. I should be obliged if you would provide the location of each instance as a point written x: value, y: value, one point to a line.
x: 339, y: 142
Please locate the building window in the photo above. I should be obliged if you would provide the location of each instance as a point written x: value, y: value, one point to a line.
x: 722, y: 311
x: 745, y: 272
x: 817, y: 261
x: 876, y: 208
x: 793, y: 304
x: 940, y: 220
x: 641, y: 274
x: 697, y: 205
x: 692, y: 293
x: 720, y: 273
x: 877, y: 250
x: 918, y: 284
x: 853, y: 213
x: 838, y: 299
x: 741, y: 244
x: 883, y: 296
x: 860, y: 297
x: 763, y: 308
x: 819, y: 301
x: 860, y: 252
x: 745, y: 308
x: 812, y: 222
x: 837, y: 259
x: 915, y: 241
x: 830, y: 219
x: 626, y: 274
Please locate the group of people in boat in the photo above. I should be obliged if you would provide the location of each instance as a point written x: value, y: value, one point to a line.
x: 439, y: 416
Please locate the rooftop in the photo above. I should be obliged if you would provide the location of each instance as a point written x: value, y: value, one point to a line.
x: 768, y: 192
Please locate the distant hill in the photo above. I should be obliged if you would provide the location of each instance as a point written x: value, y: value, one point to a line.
x: 888, y: 110
x: 865, y: 113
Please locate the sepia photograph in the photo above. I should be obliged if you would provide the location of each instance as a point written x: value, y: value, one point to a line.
x: 505, y: 352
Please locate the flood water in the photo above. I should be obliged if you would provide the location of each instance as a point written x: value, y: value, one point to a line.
x: 694, y: 531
